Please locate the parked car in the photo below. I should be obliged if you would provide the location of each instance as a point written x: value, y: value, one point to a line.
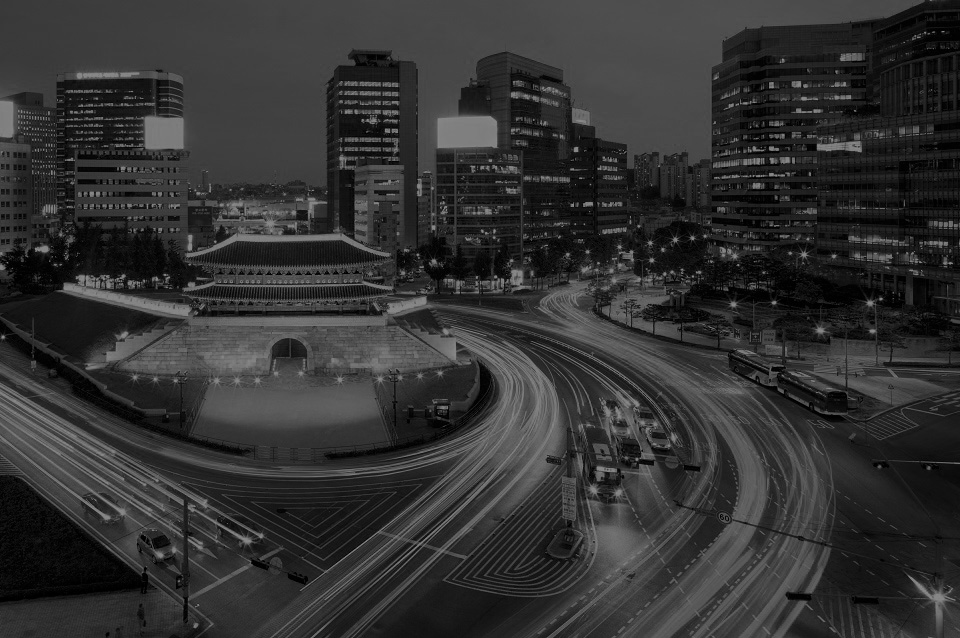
x: 238, y: 529
x: 102, y: 506
x: 156, y: 544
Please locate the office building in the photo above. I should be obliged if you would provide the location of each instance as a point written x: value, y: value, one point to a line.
x: 109, y: 110
x: 378, y: 204
x: 700, y: 190
x: 37, y: 125
x: 201, y: 232
x: 372, y: 114
x: 890, y: 183
x: 531, y: 106
x: 599, y: 184
x: 204, y: 182
x: 16, y: 196
x: 132, y: 189
x: 774, y: 86
x: 479, y: 188
x: 426, y: 213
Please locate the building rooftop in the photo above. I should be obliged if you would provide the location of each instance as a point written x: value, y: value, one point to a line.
x: 289, y: 252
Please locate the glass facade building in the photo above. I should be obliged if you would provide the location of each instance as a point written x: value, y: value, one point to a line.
x: 478, y: 195
x: 16, y: 196
x: 531, y: 105
x: 890, y: 183
x: 98, y: 111
x: 372, y: 114
x: 772, y: 90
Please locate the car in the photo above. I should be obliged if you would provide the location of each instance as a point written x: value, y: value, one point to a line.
x: 659, y: 440
x: 619, y: 427
x: 238, y: 529
x: 423, y: 291
x: 644, y: 416
x: 156, y: 544
x: 630, y: 450
x: 102, y: 506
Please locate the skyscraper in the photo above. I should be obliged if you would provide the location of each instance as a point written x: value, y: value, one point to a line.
x: 531, y: 106
x: 106, y: 110
x: 673, y: 175
x: 646, y: 168
x: 372, y: 113
x: 773, y: 88
x: 15, y: 193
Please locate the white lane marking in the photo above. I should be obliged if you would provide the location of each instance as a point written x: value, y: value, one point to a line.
x: 424, y: 545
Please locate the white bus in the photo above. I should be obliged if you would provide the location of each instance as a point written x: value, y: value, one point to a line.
x: 753, y: 366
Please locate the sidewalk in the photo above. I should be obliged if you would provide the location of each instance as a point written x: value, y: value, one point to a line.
x: 94, y: 615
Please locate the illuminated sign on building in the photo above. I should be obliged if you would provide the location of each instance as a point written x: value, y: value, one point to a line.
x: 467, y: 132
x: 6, y: 119
x: 853, y: 146
x: 581, y: 116
x: 108, y: 76
x: 162, y: 133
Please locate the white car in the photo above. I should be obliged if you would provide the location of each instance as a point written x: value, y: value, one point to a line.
x: 659, y: 440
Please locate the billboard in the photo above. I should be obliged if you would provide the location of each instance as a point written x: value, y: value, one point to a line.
x: 6, y: 119
x: 467, y: 132
x: 852, y: 146
x: 162, y: 133
x: 581, y: 116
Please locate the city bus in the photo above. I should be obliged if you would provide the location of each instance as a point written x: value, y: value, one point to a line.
x: 817, y: 395
x: 600, y: 463
x: 751, y: 365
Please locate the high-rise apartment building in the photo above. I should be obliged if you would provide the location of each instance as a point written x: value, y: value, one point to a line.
x: 773, y: 88
x: 646, y: 169
x: 701, y: 185
x: 599, y: 184
x: 372, y: 114
x: 16, y: 196
x: 890, y: 184
x: 531, y: 105
x: 478, y: 188
x: 107, y: 110
x: 132, y: 189
x: 673, y: 176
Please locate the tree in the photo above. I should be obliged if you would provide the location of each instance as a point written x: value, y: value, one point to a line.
x: 437, y: 270
x: 482, y: 267
x: 891, y: 328
x: 795, y: 324
x: 501, y: 265
x: 176, y: 266
x: 718, y: 323
x: 627, y: 307
x: 950, y: 343
x: 406, y: 259
x: 459, y: 267
x: 539, y: 263
x: 807, y: 291
x: 653, y: 313
x: 221, y: 235
x: 602, y: 293
x: 684, y: 315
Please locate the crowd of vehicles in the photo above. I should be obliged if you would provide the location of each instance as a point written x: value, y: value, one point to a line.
x: 805, y: 389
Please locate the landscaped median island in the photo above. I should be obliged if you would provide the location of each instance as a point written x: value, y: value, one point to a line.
x: 44, y: 554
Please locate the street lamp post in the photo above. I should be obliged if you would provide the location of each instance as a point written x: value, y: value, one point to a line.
x: 393, y: 377
x: 180, y: 378
x: 875, y: 303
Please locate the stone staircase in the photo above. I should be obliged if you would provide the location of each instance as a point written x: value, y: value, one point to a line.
x: 433, y: 336
x: 135, y: 343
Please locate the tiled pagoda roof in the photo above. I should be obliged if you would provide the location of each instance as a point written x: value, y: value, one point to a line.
x: 214, y: 293
x: 303, y: 253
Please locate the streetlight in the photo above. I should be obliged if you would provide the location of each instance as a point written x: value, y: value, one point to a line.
x: 180, y: 378
x: 393, y: 376
x: 871, y: 303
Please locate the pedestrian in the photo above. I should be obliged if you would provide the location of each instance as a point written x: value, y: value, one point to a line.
x: 144, y: 581
x: 141, y: 618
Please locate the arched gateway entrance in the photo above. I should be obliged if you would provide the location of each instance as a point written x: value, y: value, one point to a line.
x: 288, y: 356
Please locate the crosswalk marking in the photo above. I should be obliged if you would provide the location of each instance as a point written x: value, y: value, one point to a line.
x: 8, y: 469
x: 887, y: 425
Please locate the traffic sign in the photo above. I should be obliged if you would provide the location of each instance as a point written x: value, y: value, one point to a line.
x: 568, y: 490
x: 724, y: 518
x: 755, y: 336
x: 556, y: 460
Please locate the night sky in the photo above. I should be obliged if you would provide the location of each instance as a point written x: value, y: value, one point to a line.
x: 255, y: 71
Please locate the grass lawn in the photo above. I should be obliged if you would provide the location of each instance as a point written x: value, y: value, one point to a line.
x: 45, y: 554
x: 80, y: 327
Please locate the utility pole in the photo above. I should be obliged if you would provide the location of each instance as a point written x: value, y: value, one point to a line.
x: 33, y: 345
x: 185, y: 568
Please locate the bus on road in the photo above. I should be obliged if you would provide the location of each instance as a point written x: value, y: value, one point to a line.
x: 810, y: 391
x: 753, y: 366
x: 600, y: 463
